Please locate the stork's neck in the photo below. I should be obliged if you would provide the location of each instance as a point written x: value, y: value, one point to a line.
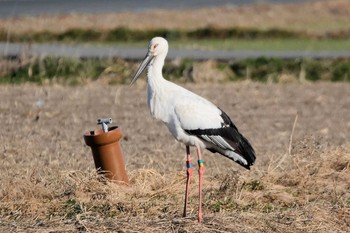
x: 156, y: 87
x: 155, y: 76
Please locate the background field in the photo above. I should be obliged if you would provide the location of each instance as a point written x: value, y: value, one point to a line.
x: 315, y: 17
x: 297, y: 120
x: 313, y: 25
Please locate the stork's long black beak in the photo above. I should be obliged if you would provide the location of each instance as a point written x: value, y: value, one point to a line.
x: 143, y: 65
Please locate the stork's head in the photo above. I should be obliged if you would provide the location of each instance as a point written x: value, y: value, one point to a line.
x: 158, y: 47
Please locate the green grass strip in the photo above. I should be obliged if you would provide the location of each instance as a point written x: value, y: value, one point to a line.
x: 129, y: 35
x: 68, y: 71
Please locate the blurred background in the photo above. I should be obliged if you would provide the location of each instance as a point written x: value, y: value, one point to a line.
x: 39, y: 7
x: 278, y: 36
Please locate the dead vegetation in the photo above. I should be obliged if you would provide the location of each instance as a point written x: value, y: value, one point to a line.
x: 300, y: 183
x: 315, y: 17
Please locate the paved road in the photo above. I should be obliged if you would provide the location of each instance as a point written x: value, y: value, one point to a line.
x: 85, y: 51
x: 9, y: 8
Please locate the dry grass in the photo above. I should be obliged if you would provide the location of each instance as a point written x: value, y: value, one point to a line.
x: 317, y: 17
x: 48, y: 183
x: 300, y: 183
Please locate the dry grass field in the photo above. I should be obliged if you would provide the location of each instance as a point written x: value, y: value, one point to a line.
x: 300, y: 131
x: 315, y: 17
x: 300, y: 182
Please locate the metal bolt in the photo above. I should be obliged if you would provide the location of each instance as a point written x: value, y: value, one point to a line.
x: 104, y: 122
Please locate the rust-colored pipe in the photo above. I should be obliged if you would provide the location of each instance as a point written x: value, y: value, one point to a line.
x: 107, y: 154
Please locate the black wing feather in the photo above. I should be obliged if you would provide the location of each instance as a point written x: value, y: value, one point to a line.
x: 232, y: 136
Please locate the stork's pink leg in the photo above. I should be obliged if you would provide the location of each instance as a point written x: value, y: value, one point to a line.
x: 201, y: 175
x: 189, y: 173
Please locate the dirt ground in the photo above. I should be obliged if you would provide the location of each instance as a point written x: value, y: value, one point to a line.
x: 47, y: 174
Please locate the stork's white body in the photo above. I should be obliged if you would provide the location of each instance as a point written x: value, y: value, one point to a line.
x: 190, y: 118
x: 183, y: 110
x: 177, y: 107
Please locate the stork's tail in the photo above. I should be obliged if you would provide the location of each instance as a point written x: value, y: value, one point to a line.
x: 246, y: 150
x: 241, y: 145
x: 243, y: 154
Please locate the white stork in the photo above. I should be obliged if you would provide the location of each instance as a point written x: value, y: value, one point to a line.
x: 191, y: 119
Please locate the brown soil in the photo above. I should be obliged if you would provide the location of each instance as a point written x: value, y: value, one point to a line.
x: 314, y: 17
x: 48, y: 181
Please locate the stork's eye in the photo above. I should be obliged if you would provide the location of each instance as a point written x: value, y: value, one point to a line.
x: 155, y: 46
